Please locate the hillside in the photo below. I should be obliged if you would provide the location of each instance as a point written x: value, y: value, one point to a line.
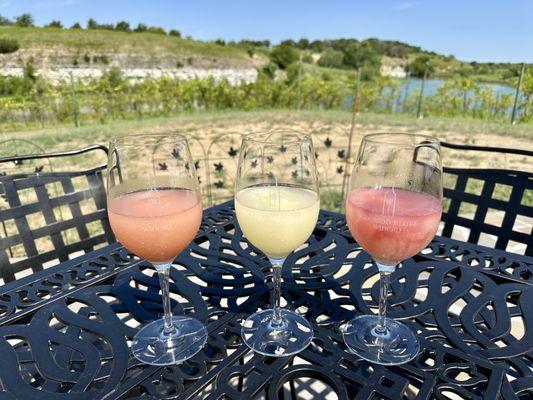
x: 55, y: 52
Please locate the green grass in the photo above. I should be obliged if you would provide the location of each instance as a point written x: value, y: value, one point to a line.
x: 104, y: 41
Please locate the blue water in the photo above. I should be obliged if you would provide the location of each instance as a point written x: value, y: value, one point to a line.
x: 410, y: 87
x: 431, y: 86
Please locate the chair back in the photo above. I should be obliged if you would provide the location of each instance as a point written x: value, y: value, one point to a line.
x: 48, y: 216
x: 490, y: 205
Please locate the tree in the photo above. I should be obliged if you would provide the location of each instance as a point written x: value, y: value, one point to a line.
x: 174, y: 32
x: 5, y: 21
x: 357, y: 55
x: 141, y: 28
x: 92, y: 24
x: 24, y: 20
x: 55, y: 24
x: 288, y: 42
x: 76, y: 26
x: 331, y: 58
x: 317, y: 45
x: 122, y: 26
x: 303, y: 43
x: 156, y: 29
x: 284, y: 55
x: 421, y: 66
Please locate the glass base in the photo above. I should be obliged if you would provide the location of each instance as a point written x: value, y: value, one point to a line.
x: 397, y: 345
x: 151, y: 346
x: 290, y: 337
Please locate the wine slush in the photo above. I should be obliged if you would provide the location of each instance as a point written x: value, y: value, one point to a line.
x: 392, y: 224
x: 156, y: 224
x: 277, y: 219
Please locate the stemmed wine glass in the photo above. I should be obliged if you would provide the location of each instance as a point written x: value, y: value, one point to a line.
x: 393, y: 210
x: 277, y: 206
x: 155, y: 210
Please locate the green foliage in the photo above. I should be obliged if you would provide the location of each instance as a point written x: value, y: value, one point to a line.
x: 76, y: 26
x: 156, y: 29
x: 292, y: 72
x: 359, y: 55
x: 123, y: 26
x: 92, y: 24
x: 175, y: 33
x: 284, y: 55
x: 307, y: 58
x: 24, y: 20
x: 87, y: 58
x: 420, y: 66
x: 29, y: 71
x: 8, y: 45
x: 303, y: 44
x: 331, y: 59
x: 55, y: 24
x: 141, y: 28
x: 5, y: 21
x: 269, y: 70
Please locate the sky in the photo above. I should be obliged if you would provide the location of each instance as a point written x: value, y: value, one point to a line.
x: 472, y: 30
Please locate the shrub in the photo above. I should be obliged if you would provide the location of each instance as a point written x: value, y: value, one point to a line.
x: 92, y: 24
x: 113, y: 77
x: 76, y: 26
x: 357, y: 55
x: 87, y: 58
x: 8, y: 45
x: 331, y: 59
x: 5, y: 21
x: 140, y: 28
x: 190, y: 60
x: 292, y: 72
x: 29, y: 71
x: 179, y: 64
x: 75, y: 62
x: 175, y: 33
x: 156, y: 29
x: 420, y: 66
x: 55, y: 24
x: 269, y: 70
x: 283, y: 55
x: 220, y: 42
x: 307, y: 58
x: 123, y: 26
x: 24, y: 20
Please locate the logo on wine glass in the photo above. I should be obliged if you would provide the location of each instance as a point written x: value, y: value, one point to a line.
x: 389, y: 203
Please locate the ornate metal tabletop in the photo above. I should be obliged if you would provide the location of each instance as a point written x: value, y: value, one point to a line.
x: 65, y: 331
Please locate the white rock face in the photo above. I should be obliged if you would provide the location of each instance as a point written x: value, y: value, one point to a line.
x: 393, y: 72
x: 234, y: 76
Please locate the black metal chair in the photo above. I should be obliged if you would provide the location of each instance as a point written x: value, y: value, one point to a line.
x: 48, y: 216
x: 508, y: 194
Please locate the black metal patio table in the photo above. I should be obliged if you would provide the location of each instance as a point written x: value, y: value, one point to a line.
x: 65, y: 331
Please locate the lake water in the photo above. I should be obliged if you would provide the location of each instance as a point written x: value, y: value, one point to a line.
x: 410, y: 87
x: 413, y: 85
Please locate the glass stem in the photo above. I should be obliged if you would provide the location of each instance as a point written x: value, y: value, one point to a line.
x: 384, y: 284
x: 277, y: 263
x: 163, y: 271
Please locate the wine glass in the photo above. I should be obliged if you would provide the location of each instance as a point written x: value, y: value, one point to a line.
x: 393, y: 210
x: 277, y: 206
x: 155, y: 209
